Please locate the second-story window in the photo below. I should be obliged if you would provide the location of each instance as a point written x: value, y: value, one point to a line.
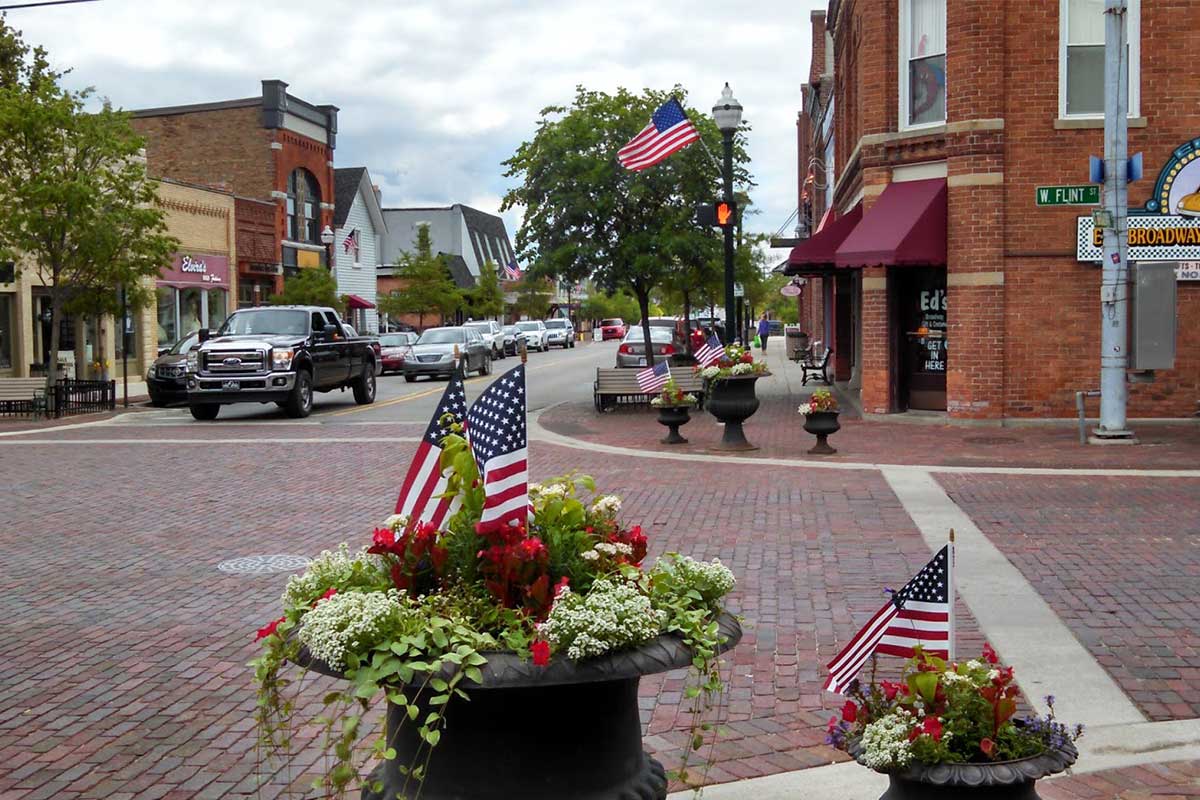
x: 1081, y: 57
x: 303, y: 207
x: 922, y: 62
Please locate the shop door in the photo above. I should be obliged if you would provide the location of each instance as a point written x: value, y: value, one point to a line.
x: 921, y: 294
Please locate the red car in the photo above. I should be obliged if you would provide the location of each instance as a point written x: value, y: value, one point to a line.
x: 612, y: 329
x: 394, y: 348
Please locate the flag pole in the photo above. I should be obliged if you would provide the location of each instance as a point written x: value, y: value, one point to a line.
x: 950, y: 593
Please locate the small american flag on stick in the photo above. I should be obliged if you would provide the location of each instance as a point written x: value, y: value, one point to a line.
x: 710, y: 352
x: 669, y: 131
x: 421, y: 493
x: 496, y: 431
x: 918, y: 614
x: 652, y: 379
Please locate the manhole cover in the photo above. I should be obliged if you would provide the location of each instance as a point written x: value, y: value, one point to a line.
x: 991, y: 440
x: 263, y: 565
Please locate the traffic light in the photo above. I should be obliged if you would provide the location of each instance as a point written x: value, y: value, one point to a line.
x: 718, y: 214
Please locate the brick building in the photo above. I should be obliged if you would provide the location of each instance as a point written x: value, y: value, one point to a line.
x: 276, y: 150
x: 927, y: 125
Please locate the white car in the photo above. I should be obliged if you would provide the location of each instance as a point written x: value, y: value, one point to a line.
x: 492, y: 334
x: 560, y: 332
x: 536, y: 335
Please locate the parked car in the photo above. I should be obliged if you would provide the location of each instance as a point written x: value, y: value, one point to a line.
x: 490, y: 330
x: 394, y: 348
x: 433, y: 354
x: 513, y: 336
x: 279, y: 354
x: 536, y: 335
x: 612, y: 329
x: 560, y: 332
x: 632, y: 352
x: 166, y: 381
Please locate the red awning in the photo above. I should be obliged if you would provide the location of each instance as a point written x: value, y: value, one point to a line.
x: 906, y: 225
x: 354, y: 301
x: 819, y: 249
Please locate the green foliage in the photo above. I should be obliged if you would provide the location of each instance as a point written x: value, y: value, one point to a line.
x: 782, y: 308
x: 533, y: 297
x: 428, y: 287
x: 486, y: 300
x: 314, y: 286
x: 620, y: 305
x: 78, y: 207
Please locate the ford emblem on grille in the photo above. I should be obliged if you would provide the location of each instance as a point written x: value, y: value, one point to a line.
x: 232, y: 362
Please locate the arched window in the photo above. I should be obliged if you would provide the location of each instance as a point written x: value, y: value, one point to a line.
x: 303, y: 207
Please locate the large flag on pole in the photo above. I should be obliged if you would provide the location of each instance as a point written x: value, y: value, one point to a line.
x: 918, y: 614
x: 496, y: 431
x: 421, y: 493
x: 669, y: 131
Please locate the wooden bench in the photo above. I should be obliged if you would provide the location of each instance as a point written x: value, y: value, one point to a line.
x: 817, y: 369
x: 619, y: 386
x: 23, y: 396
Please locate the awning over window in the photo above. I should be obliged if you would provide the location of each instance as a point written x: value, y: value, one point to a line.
x: 906, y: 225
x: 819, y: 249
x: 356, y: 302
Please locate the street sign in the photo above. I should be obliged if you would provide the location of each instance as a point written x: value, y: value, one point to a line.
x: 739, y: 290
x: 1082, y: 195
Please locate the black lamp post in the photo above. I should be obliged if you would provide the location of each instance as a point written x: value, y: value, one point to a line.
x: 728, y: 115
x: 327, y: 240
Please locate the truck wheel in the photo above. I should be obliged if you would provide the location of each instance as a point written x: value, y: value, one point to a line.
x: 364, y: 387
x: 206, y: 412
x: 486, y: 367
x: 299, y: 405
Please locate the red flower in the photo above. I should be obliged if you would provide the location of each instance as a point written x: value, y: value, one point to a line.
x: 747, y: 358
x: 931, y: 726
x: 383, y: 540
x: 850, y: 711
x: 268, y: 629
x: 833, y: 723
x: 989, y: 655
x: 890, y: 690
x: 1004, y: 678
x: 541, y: 653
x: 987, y: 747
x: 330, y: 592
x: 563, y: 583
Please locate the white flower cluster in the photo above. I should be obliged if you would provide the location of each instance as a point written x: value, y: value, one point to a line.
x: 613, y: 548
x: 685, y: 400
x: 711, y: 372
x: 950, y: 677
x: 607, y: 506
x: 741, y: 369
x: 711, y: 578
x: 805, y: 409
x: 542, y: 493
x: 885, y: 742
x: 330, y: 568
x: 396, y: 522
x: 611, y: 616
x: 349, y: 622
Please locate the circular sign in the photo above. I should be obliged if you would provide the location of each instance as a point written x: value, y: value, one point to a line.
x: 264, y: 565
x: 791, y: 290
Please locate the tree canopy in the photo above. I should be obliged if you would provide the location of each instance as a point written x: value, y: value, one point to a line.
x: 532, y: 297
x: 586, y: 215
x: 314, y: 286
x: 428, y: 287
x: 486, y: 300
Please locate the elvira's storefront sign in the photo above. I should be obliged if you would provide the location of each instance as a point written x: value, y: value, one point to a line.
x: 1168, y: 227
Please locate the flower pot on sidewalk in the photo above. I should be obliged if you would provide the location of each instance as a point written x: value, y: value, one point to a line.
x: 732, y: 401
x: 1004, y: 780
x: 821, y: 424
x: 673, y: 417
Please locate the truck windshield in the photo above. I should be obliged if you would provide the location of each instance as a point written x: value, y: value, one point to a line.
x: 271, y: 321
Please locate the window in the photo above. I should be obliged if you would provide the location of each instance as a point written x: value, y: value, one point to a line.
x: 216, y: 308
x: 6, y: 331
x: 303, y: 207
x: 168, y: 327
x: 191, y: 310
x: 1081, y: 58
x: 922, y: 62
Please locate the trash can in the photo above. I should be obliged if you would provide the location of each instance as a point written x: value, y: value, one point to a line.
x: 796, y: 341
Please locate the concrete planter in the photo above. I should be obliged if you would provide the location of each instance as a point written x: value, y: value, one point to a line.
x: 673, y: 417
x: 732, y: 401
x: 821, y: 424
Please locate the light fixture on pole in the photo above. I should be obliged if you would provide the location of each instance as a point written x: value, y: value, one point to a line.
x: 327, y: 240
x: 728, y: 115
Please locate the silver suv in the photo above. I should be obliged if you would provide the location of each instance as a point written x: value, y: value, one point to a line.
x: 560, y: 332
x: 492, y: 334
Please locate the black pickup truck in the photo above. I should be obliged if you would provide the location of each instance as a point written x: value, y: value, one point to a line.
x: 281, y: 355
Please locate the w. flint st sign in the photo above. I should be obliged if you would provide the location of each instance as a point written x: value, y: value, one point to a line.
x: 1082, y: 195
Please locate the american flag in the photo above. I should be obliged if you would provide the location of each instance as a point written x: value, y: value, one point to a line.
x: 652, y: 379
x: 420, y: 494
x: 668, y: 132
x: 350, y: 243
x: 496, y: 430
x: 512, y: 272
x: 710, y: 352
x: 918, y: 614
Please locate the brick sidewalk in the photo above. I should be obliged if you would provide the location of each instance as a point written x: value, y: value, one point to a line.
x: 1175, y: 781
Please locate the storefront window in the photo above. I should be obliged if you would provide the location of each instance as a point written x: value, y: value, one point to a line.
x: 6, y: 331
x: 168, y: 328
x: 303, y: 207
x: 216, y: 308
x: 923, y: 57
x: 191, y: 316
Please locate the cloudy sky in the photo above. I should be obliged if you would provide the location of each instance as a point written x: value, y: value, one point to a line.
x: 435, y: 94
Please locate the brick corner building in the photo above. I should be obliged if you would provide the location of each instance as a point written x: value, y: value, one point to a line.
x: 275, y: 153
x: 927, y: 125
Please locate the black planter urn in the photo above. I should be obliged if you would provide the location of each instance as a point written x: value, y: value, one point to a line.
x: 821, y: 424
x: 732, y: 401
x: 1003, y: 780
x: 672, y: 417
x: 569, y: 729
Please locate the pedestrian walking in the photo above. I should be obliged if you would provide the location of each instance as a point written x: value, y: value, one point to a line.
x: 764, y: 328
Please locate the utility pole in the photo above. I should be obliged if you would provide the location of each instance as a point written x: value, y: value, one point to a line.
x: 1114, y: 288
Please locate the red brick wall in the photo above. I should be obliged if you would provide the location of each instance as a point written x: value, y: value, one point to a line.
x: 225, y: 148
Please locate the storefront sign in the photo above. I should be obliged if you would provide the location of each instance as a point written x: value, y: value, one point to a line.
x: 192, y: 268
x: 1082, y: 195
x: 1187, y: 271
x: 265, y: 269
x: 1152, y: 237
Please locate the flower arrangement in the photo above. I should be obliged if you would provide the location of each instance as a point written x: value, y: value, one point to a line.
x: 672, y: 396
x: 736, y: 361
x: 415, y: 613
x: 938, y: 713
x: 821, y: 400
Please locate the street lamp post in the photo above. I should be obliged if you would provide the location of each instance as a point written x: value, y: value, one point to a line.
x: 327, y: 240
x: 728, y: 115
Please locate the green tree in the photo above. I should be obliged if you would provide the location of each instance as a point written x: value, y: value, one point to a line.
x: 586, y: 215
x: 486, y: 300
x: 428, y: 287
x: 532, y: 297
x: 314, y: 286
x: 78, y: 207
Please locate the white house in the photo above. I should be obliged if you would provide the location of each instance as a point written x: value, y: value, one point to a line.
x: 467, y: 236
x: 359, y: 230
